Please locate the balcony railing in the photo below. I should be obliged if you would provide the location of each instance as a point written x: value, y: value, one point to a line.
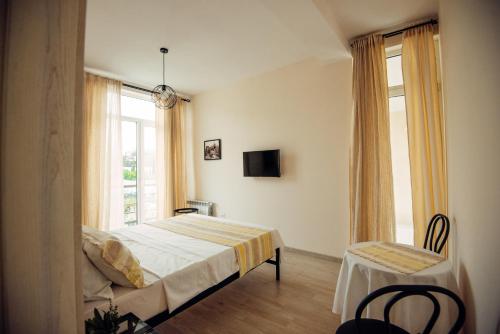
x: 130, y: 208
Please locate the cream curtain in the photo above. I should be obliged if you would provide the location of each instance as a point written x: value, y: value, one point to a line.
x: 371, y: 192
x: 426, y: 137
x: 171, y: 159
x: 102, y: 188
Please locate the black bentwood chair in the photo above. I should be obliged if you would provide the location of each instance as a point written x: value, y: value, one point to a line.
x: 374, y: 326
x: 185, y: 210
x: 438, y: 244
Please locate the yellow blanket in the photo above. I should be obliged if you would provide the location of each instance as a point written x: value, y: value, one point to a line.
x: 252, y: 245
x: 397, y: 257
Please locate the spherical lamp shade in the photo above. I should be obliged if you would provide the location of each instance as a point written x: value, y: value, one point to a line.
x: 164, y: 97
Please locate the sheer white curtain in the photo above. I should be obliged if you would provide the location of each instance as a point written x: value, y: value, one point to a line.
x: 161, y: 165
x: 426, y: 129
x: 189, y: 141
x: 102, y: 191
x: 171, y: 159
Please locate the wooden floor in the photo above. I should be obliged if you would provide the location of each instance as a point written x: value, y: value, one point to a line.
x: 300, y: 303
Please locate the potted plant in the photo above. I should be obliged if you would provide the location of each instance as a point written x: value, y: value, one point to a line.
x: 108, y: 323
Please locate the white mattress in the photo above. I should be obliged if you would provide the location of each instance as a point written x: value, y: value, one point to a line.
x: 144, y: 303
x: 176, y: 267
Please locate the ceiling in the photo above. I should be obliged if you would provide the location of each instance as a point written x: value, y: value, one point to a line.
x: 354, y: 18
x: 214, y: 43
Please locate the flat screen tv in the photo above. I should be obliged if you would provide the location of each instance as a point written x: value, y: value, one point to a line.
x: 262, y: 163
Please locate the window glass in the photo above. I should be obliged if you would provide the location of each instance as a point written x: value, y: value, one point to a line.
x: 129, y: 151
x: 397, y: 104
x: 399, y: 149
x: 148, y: 188
x: 401, y: 170
x: 137, y: 108
x: 139, y: 160
x: 394, y: 71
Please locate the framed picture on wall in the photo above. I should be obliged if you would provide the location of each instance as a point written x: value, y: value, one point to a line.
x: 212, y: 149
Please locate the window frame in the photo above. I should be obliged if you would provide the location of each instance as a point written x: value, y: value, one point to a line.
x: 390, y: 52
x: 395, y: 49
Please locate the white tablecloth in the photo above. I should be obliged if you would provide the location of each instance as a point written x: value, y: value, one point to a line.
x: 359, y: 276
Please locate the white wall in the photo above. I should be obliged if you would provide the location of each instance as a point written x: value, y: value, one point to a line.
x: 303, y: 109
x: 470, y: 41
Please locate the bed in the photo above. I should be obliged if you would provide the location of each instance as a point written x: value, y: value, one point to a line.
x: 179, y: 270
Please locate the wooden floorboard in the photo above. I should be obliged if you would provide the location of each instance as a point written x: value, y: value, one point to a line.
x: 300, y: 303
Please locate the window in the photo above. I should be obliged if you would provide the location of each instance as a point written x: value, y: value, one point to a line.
x: 399, y: 148
x: 399, y: 142
x: 139, y: 160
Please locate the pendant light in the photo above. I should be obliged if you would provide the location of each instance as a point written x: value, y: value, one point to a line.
x: 164, y: 96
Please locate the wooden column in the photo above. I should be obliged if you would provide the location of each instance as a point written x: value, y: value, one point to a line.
x: 40, y: 166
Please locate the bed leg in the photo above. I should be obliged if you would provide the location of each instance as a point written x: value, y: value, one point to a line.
x: 278, y: 264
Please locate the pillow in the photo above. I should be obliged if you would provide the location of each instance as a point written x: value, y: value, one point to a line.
x: 95, y: 285
x: 112, y: 258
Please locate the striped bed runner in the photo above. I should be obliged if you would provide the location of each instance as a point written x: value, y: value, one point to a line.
x: 397, y: 257
x: 252, y: 245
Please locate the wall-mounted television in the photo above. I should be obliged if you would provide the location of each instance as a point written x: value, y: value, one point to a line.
x: 262, y: 163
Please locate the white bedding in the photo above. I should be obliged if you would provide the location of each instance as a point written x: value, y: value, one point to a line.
x: 185, y: 267
x: 144, y: 303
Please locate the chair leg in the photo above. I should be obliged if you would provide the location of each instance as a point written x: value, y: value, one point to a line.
x: 278, y: 264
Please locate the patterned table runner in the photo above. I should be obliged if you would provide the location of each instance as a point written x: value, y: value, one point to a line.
x: 397, y: 257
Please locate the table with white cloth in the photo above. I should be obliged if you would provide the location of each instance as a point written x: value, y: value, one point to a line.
x: 360, y: 276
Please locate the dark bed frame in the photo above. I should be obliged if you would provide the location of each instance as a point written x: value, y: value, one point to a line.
x: 164, y: 316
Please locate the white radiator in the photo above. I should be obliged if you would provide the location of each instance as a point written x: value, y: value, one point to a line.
x: 204, y: 207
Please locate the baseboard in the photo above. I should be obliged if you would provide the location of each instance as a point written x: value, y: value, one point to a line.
x: 313, y: 254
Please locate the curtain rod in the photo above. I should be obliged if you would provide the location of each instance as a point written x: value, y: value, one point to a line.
x: 397, y: 32
x: 149, y: 91
x: 400, y: 31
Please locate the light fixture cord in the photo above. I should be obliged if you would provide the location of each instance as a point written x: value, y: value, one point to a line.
x: 163, y: 69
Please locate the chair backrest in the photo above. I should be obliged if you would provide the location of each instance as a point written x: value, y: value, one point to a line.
x: 414, y: 290
x: 438, y: 244
x: 185, y: 210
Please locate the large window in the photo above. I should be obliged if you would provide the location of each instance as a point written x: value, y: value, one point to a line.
x: 399, y: 148
x: 139, y: 154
